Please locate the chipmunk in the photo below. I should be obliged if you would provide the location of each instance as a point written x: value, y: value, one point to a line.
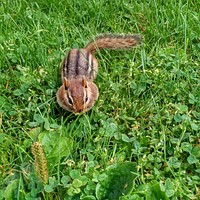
x: 78, y: 92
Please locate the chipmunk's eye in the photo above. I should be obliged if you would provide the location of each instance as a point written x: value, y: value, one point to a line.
x: 70, y: 100
x: 86, y: 98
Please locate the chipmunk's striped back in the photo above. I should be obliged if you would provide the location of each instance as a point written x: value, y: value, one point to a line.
x: 79, y: 63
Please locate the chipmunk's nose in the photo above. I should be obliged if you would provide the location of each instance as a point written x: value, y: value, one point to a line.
x: 80, y: 110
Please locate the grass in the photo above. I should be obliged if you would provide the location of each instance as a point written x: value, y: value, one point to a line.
x: 147, y: 113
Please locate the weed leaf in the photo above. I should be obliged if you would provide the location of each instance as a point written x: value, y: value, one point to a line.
x: 9, y: 193
x: 55, y: 146
x: 118, y: 180
x: 152, y: 191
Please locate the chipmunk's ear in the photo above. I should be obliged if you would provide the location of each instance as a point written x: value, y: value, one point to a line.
x: 66, y: 83
x: 84, y: 83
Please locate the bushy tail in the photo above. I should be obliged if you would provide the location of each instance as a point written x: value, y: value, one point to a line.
x: 111, y: 41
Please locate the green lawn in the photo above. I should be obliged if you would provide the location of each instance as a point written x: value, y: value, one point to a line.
x: 142, y: 138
